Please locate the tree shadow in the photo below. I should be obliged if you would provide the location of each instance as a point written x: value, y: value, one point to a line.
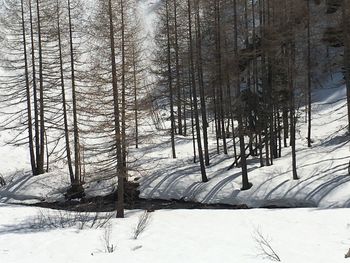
x: 307, y: 196
x: 46, y: 221
x: 338, y: 140
x: 22, y: 182
x: 9, y: 190
x: 321, y: 191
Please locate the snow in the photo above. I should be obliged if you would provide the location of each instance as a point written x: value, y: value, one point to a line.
x: 323, y: 169
x: 324, y: 180
x: 297, y: 235
x: 318, y: 232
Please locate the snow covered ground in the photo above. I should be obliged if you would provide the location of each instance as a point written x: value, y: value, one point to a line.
x: 320, y: 233
x: 322, y: 169
x: 198, y: 236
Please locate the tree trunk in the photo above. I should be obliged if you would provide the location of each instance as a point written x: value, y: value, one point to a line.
x: 120, y: 201
x: 123, y: 90
x: 135, y: 98
x: 40, y: 159
x: 194, y: 92
x: 170, y: 82
x: 308, y: 76
x: 201, y: 85
x: 245, y: 182
x: 64, y: 103
x: 177, y: 68
x: 219, y: 75
x: 28, y: 96
x: 74, y: 102
x: 346, y: 29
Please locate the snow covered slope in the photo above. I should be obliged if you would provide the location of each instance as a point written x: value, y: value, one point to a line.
x: 323, y: 172
x: 323, y: 169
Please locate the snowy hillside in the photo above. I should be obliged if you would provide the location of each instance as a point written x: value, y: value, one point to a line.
x: 250, y: 75
x: 324, y: 180
x: 323, y: 169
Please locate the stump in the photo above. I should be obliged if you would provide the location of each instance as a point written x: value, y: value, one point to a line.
x: 76, y: 191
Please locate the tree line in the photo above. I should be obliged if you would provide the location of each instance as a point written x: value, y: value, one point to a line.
x: 247, y: 67
x: 73, y: 80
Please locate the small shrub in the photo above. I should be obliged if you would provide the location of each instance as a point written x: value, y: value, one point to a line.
x: 106, y: 239
x: 142, y: 224
x: 264, y: 246
x: 64, y: 219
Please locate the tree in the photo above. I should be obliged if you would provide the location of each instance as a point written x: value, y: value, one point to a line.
x: 346, y: 38
x: 170, y: 81
x: 194, y: 93
x: 309, y: 98
x: 245, y: 182
x: 64, y: 102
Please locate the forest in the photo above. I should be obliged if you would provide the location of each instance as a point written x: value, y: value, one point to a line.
x: 129, y: 105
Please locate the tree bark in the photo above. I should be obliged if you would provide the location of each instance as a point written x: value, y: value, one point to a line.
x: 64, y: 103
x: 194, y: 92
x: 74, y: 102
x: 120, y: 194
x: 309, y: 76
x: 170, y: 82
x: 40, y: 159
x: 28, y: 96
x: 245, y: 182
x: 201, y: 85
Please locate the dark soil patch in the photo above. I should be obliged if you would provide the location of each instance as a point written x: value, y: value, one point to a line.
x: 132, y: 201
x: 107, y: 204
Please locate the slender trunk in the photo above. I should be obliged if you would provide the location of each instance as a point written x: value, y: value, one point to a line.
x: 201, y: 86
x: 255, y: 67
x: 177, y: 68
x: 135, y: 99
x: 120, y: 201
x: 292, y: 102
x: 123, y: 89
x: 308, y: 76
x: 270, y: 101
x: 264, y: 83
x: 230, y: 101
x: 47, y: 153
x: 194, y: 92
x: 234, y: 140
x: 64, y: 103
x: 292, y: 138
x: 279, y: 128
x: 35, y: 91
x: 40, y: 160
x: 192, y: 123
x: 219, y: 77
x: 170, y: 82
x: 260, y: 150
x: 184, y: 112
x: 28, y: 97
x: 285, y: 126
x: 74, y: 101
x: 245, y: 182
x: 346, y: 33
x: 216, y: 122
